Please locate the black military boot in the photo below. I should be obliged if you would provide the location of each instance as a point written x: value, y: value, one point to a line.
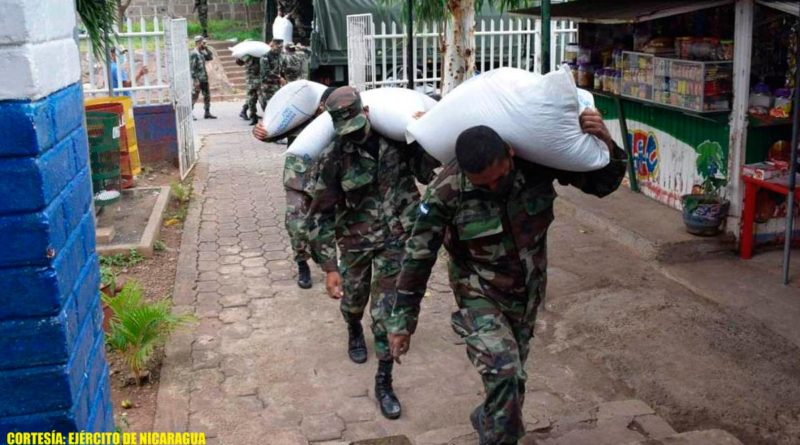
x: 253, y: 119
x: 356, y: 346
x: 243, y: 113
x: 303, y: 275
x: 208, y: 115
x: 390, y: 406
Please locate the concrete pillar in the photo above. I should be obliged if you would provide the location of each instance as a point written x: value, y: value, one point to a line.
x: 53, y: 371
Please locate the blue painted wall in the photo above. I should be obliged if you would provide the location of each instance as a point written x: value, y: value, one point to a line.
x: 53, y: 371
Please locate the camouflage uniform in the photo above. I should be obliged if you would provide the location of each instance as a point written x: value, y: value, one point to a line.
x: 202, y: 14
x: 290, y: 7
x: 299, y: 178
x: 497, y: 269
x: 294, y: 66
x: 365, y: 198
x: 197, y: 65
x: 252, y: 70
x: 271, y: 70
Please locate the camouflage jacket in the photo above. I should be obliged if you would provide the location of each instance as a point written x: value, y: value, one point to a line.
x: 252, y: 67
x: 272, y: 68
x: 363, y: 202
x: 294, y: 66
x: 197, y: 64
x: 497, y: 248
x: 300, y: 174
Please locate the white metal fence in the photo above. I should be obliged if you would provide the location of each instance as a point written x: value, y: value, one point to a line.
x: 181, y: 90
x: 511, y: 42
x: 145, y: 43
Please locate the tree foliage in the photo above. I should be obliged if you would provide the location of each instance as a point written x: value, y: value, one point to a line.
x: 431, y: 11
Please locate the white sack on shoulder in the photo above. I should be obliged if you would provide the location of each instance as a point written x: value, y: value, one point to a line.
x: 391, y: 110
x: 249, y: 48
x: 292, y: 105
x: 537, y: 115
x: 314, y: 138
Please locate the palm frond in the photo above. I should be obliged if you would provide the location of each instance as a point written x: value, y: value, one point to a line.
x: 138, y: 327
x: 97, y: 17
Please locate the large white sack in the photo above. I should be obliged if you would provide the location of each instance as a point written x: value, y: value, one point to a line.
x: 292, y: 105
x: 391, y: 110
x: 537, y: 115
x: 250, y: 48
x: 314, y: 138
x: 282, y: 28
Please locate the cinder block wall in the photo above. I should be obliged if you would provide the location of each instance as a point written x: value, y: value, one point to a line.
x: 53, y: 371
x: 217, y: 10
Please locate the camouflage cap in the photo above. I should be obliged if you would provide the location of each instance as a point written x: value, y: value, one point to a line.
x: 346, y: 110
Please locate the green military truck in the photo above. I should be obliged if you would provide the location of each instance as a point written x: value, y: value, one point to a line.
x: 328, y: 37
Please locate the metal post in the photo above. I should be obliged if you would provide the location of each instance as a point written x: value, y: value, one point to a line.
x: 410, y: 70
x: 626, y: 144
x: 108, y: 62
x: 787, y: 243
x: 270, y: 12
x: 545, y: 37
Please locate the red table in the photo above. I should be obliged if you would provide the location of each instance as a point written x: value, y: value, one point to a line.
x: 751, y: 188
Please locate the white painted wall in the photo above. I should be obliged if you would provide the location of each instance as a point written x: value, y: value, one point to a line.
x: 38, y: 54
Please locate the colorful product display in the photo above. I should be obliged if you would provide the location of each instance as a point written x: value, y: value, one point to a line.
x: 691, y: 85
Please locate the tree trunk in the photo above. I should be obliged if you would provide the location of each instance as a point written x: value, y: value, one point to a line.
x: 247, y: 15
x: 122, y: 8
x: 459, y: 50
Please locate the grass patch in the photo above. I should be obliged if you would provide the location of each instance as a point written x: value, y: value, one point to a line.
x: 122, y: 260
x: 226, y: 30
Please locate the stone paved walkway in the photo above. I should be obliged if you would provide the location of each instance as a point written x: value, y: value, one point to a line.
x: 267, y: 361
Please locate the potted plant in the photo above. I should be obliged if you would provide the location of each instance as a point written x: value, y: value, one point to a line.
x: 704, y: 210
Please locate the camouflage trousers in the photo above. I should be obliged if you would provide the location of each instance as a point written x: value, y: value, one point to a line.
x: 371, y: 272
x: 497, y: 345
x: 252, y: 99
x: 202, y: 16
x: 297, y: 204
x: 265, y: 94
x: 201, y: 87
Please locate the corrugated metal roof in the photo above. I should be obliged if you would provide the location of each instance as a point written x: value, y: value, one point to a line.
x: 787, y: 7
x: 615, y: 11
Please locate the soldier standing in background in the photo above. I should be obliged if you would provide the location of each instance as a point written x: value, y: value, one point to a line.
x: 365, y: 199
x: 197, y: 64
x: 201, y: 6
x: 491, y: 211
x: 252, y: 69
x: 272, y: 71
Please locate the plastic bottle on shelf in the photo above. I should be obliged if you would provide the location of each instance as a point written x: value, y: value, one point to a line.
x: 599, y: 75
x: 783, y: 103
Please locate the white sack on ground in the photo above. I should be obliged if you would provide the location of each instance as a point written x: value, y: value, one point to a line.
x: 250, y: 48
x: 282, y: 28
x: 292, y: 105
x: 391, y: 110
x: 537, y: 115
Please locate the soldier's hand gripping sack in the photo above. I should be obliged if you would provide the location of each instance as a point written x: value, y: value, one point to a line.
x: 292, y: 105
x: 537, y: 115
x: 391, y: 110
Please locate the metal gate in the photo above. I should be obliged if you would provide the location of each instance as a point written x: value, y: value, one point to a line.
x: 181, y: 92
x: 360, y: 51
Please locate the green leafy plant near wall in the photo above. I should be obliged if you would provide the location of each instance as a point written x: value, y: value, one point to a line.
x: 705, y: 210
x: 138, y: 327
x: 711, y: 167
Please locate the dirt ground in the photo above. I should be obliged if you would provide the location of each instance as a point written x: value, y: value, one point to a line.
x: 157, y: 278
x: 614, y: 326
